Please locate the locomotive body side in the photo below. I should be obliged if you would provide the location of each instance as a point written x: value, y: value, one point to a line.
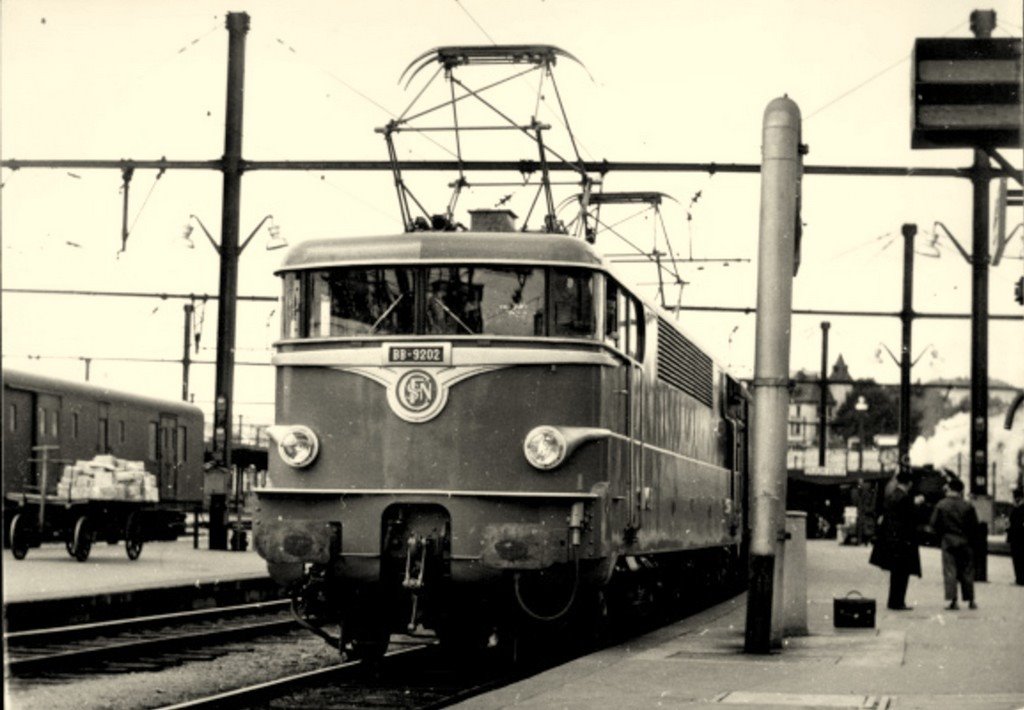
x: 420, y: 498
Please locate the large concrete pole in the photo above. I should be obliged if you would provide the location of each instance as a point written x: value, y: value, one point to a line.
x: 780, y: 175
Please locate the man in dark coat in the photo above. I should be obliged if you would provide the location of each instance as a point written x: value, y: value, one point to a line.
x: 955, y: 521
x: 1015, y: 534
x: 896, y: 541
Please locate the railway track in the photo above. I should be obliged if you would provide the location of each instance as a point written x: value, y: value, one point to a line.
x: 153, y: 640
x: 412, y: 675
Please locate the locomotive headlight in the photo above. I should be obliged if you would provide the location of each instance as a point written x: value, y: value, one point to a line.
x: 297, y: 444
x: 545, y: 447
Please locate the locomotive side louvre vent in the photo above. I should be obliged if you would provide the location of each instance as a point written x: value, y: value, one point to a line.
x: 682, y: 364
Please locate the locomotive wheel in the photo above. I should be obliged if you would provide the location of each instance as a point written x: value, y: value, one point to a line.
x: 365, y: 639
x: 133, y: 536
x: 82, y: 541
x: 19, y: 537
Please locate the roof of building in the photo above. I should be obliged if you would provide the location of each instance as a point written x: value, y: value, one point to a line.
x: 806, y: 389
x: 840, y: 371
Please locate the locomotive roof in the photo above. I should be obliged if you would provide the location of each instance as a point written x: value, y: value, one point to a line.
x: 481, y: 247
x: 52, y: 385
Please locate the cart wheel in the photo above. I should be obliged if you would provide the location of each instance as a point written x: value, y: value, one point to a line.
x: 133, y: 536
x: 82, y: 542
x: 19, y: 537
x: 69, y: 543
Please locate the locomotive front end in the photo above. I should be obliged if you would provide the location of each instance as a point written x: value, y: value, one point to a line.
x: 443, y: 433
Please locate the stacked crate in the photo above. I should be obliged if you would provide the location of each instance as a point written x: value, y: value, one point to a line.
x: 106, y: 477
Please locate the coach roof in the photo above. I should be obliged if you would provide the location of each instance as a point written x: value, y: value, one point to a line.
x: 464, y: 247
x: 19, y: 380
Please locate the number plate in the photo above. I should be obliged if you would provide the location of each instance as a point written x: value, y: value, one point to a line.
x: 438, y: 355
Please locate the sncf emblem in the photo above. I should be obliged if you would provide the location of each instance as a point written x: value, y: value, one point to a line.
x: 416, y: 391
x: 417, y: 395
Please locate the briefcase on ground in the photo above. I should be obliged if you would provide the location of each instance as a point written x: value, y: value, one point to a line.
x: 853, y: 612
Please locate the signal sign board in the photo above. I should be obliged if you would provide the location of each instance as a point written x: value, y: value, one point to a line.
x: 967, y: 93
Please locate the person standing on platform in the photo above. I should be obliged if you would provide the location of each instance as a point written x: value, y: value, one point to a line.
x: 955, y: 521
x: 1015, y: 535
x: 896, y: 540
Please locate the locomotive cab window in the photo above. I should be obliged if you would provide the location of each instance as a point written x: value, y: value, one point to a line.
x: 485, y: 300
x: 291, y: 307
x: 572, y: 303
x: 448, y: 300
x: 623, y: 320
x: 361, y: 301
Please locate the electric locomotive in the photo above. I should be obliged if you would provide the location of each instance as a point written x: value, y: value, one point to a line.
x: 477, y: 428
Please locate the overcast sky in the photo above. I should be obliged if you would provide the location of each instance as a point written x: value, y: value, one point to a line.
x: 663, y: 81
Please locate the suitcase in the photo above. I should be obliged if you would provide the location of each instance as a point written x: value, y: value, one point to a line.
x: 851, y: 612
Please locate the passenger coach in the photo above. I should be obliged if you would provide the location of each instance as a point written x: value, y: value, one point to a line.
x: 78, y: 421
x: 476, y: 428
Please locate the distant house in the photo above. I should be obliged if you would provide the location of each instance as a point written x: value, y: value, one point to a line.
x: 804, y: 402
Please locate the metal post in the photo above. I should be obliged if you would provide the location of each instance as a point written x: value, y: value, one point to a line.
x: 983, y: 22
x: 186, y: 358
x: 238, y: 26
x: 978, y: 464
x: 780, y: 171
x: 860, y: 442
x: 823, y: 398
x: 88, y: 367
x: 43, y: 483
x: 906, y: 318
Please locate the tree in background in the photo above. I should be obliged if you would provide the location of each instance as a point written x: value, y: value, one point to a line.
x: 881, y: 417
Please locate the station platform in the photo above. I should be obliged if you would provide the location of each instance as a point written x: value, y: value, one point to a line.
x: 924, y: 659
x: 50, y: 586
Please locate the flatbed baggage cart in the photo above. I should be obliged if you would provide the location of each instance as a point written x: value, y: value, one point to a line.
x: 79, y: 523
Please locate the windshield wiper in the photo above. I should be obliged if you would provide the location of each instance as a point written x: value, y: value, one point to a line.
x: 386, y: 313
x: 447, y: 310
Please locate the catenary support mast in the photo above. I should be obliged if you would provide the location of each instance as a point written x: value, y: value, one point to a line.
x: 238, y: 27
x: 780, y: 171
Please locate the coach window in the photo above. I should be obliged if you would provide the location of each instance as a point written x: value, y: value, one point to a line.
x: 151, y: 441
x: 12, y: 417
x: 74, y: 425
x: 102, y: 443
x: 41, y: 421
x: 54, y: 424
x: 182, y: 448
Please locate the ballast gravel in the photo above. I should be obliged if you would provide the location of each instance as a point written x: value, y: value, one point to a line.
x: 242, y: 665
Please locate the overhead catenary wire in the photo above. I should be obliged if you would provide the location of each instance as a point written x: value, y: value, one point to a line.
x: 871, y: 78
x: 363, y: 95
x: 473, y: 19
